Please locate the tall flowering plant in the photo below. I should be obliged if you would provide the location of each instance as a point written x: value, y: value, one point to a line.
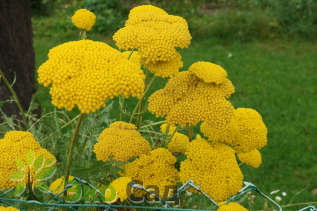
x: 85, y: 74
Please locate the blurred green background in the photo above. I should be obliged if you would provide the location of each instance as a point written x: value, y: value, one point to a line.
x: 228, y: 19
x: 269, y: 50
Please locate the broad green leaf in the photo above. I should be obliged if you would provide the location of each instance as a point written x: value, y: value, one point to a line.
x: 50, y: 162
x: 17, y: 176
x: 20, y: 164
x: 30, y: 157
x: 38, y: 164
x: 19, y: 189
x: 45, y: 173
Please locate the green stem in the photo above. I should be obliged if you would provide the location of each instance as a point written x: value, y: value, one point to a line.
x: 153, y: 124
x: 71, y: 149
x: 83, y: 35
x: 22, y: 113
x: 141, y: 99
x: 190, y: 132
x: 121, y: 104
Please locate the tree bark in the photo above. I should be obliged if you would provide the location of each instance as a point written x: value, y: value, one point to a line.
x: 16, y: 53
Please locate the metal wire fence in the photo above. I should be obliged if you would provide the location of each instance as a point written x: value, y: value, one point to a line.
x: 18, y: 203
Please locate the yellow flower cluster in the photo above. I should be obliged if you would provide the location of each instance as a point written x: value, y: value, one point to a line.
x: 252, y: 158
x: 213, y: 167
x: 199, y: 94
x: 86, y: 73
x: 245, y: 132
x: 8, y: 208
x: 178, y: 143
x: 165, y: 69
x: 232, y: 206
x: 156, y: 169
x: 84, y: 19
x: 16, y: 144
x: 121, y: 141
x: 119, y: 185
x: 209, y: 72
x: 58, y: 185
x: 155, y: 34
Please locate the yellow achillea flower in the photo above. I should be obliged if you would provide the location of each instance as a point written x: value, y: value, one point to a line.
x: 84, y: 19
x: 8, y: 208
x: 119, y: 185
x: 212, y: 166
x: 133, y: 56
x: 189, y: 99
x: 86, y: 73
x: 171, y: 129
x: 156, y: 169
x: 232, y: 206
x: 252, y: 158
x: 165, y: 69
x: 121, y: 141
x: 146, y: 9
x: 209, y: 72
x: 58, y: 185
x: 16, y: 144
x: 178, y: 143
x: 155, y: 35
x: 245, y: 132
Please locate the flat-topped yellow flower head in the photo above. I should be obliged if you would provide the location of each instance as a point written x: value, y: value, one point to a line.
x: 155, y: 169
x: 121, y: 141
x: 245, y: 132
x: 193, y: 96
x: 213, y: 167
x: 84, y: 19
x: 156, y: 35
x: 85, y: 73
x: 178, y: 143
x: 252, y: 158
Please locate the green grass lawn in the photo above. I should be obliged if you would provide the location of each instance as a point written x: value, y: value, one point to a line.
x: 277, y: 78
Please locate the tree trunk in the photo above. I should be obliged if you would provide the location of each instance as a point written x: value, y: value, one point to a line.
x: 16, y: 53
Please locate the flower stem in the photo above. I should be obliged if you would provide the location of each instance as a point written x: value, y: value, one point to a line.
x: 22, y: 113
x: 190, y: 132
x: 141, y: 100
x: 121, y: 104
x: 71, y: 148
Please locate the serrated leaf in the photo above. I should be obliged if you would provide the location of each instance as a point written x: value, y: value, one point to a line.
x: 45, y: 173
x: 38, y: 164
x: 19, y: 189
x: 20, y: 164
x: 17, y: 176
x: 50, y: 162
x: 30, y: 157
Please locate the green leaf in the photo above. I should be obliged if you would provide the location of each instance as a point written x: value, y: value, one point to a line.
x: 50, y: 162
x: 38, y: 164
x: 30, y: 157
x: 45, y: 173
x: 17, y: 176
x: 19, y: 189
x: 20, y: 164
